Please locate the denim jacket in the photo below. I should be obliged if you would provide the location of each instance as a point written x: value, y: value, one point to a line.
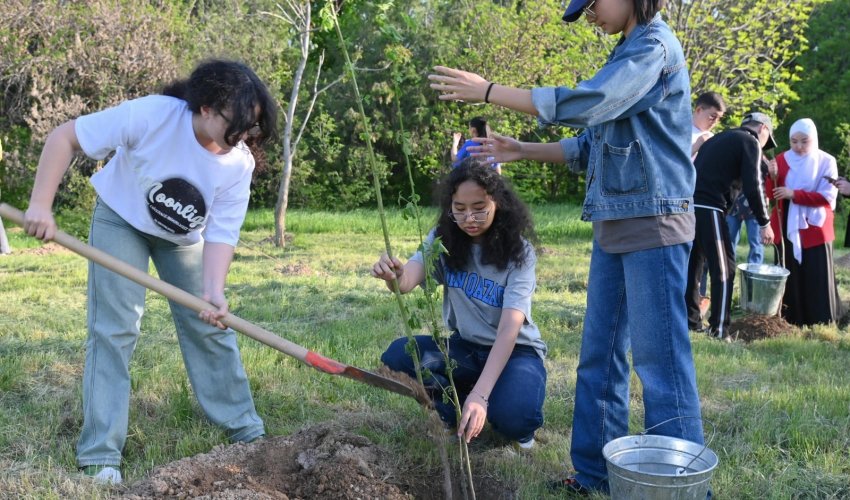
x: 636, y: 112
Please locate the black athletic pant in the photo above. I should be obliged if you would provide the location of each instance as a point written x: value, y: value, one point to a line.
x: 711, y: 245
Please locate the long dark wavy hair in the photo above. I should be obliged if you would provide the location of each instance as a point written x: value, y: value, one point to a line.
x: 232, y: 86
x: 504, y: 241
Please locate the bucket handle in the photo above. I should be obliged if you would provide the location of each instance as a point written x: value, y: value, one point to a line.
x: 682, y: 470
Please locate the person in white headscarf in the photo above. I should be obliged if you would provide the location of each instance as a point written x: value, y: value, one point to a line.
x: 803, y: 185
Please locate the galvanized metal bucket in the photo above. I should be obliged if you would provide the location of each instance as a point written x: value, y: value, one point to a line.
x: 652, y: 467
x: 762, y: 287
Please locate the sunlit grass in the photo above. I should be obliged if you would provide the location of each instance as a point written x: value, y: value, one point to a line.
x: 781, y: 407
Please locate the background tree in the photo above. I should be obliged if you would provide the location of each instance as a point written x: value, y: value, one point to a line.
x: 822, y: 81
x: 58, y: 60
x: 299, y: 17
x: 744, y: 49
x: 515, y: 43
x: 4, y: 241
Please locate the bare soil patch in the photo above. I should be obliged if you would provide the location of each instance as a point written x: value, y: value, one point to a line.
x: 758, y: 326
x: 296, y: 269
x: 324, y: 461
x: 45, y: 249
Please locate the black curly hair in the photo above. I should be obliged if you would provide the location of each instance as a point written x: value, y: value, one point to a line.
x: 229, y: 85
x: 504, y: 242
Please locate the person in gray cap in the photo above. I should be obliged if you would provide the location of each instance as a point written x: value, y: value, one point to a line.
x: 728, y: 159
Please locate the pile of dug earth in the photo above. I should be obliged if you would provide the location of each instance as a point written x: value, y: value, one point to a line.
x: 758, y: 326
x: 321, y: 462
x: 318, y: 462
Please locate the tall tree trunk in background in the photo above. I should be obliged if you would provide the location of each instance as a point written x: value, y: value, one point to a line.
x: 299, y: 15
x: 4, y: 242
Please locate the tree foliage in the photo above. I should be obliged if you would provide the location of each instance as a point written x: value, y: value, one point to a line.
x: 58, y: 60
x: 744, y: 49
x: 823, y: 79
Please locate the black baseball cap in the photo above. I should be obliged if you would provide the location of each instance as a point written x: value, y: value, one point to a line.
x: 574, y: 10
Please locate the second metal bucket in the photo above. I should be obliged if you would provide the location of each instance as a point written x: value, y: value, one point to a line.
x: 762, y: 287
x: 652, y: 467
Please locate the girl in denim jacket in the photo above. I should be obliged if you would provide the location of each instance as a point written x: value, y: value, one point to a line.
x: 635, y: 154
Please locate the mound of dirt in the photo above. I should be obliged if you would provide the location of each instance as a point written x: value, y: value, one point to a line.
x: 758, y: 326
x: 320, y: 462
x: 317, y: 462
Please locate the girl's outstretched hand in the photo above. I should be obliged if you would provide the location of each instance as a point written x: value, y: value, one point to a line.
x: 387, y: 269
x: 497, y: 148
x: 458, y: 85
x: 473, y: 417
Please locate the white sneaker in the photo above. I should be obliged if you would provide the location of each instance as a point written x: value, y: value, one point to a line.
x: 526, y: 445
x: 103, y: 474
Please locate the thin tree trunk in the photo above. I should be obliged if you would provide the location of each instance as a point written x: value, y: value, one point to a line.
x: 282, y: 200
x: 4, y: 242
x: 305, y: 26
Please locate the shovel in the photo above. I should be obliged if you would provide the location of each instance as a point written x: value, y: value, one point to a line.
x: 186, y: 299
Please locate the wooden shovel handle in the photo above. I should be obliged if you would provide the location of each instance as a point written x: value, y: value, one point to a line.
x: 257, y: 333
x: 170, y: 291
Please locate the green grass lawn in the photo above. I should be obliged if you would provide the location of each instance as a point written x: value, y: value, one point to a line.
x: 780, y: 407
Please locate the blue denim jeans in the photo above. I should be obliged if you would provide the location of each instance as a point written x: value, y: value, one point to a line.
x: 756, y: 255
x: 115, y: 307
x: 634, y: 300
x: 515, y: 408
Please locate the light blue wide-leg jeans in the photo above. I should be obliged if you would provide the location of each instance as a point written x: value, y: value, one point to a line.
x: 115, y: 307
x: 634, y: 301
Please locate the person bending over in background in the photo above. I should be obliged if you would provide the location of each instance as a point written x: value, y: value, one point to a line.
x: 730, y: 157
x: 635, y: 154
x: 175, y: 191
x: 488, y: 279
x: 478, y: 127
x: 803, y: 218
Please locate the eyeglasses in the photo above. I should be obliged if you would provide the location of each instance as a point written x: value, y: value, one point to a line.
x: 477, y: 217
x: 254, y: 131
x: 588, y: 9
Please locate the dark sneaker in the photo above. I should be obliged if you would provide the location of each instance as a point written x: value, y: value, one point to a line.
x: 569, y: 485
x: 700, y: 328
x: 256, y: 439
